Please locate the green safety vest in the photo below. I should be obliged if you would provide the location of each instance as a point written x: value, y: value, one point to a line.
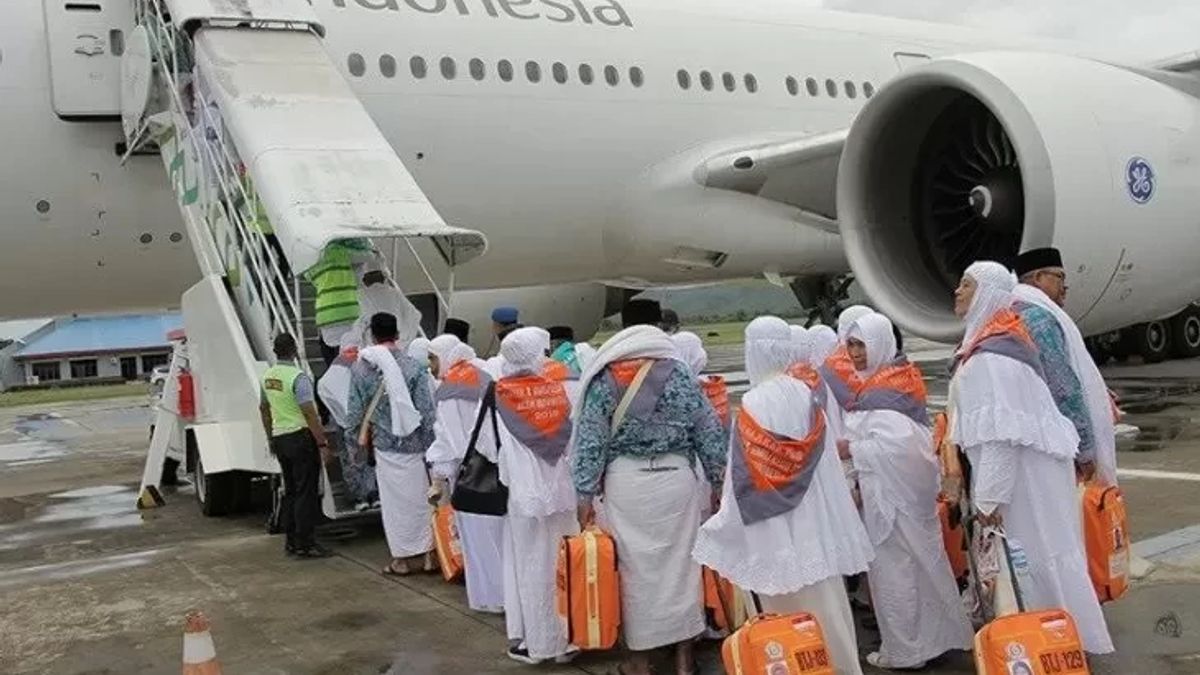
x: 337, y: 287
x: 279, y: 386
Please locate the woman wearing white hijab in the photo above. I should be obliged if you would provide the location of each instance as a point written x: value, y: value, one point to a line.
x: 533, y: 415
x: 1021, y: 450
x: 913, y: 590
x: 787, y: 529
x: 461, y: 385
x: 824, y: 344
x: 837, y: 371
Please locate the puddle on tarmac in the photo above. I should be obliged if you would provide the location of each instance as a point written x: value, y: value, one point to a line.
x: 104, y: 507
x: 76, y: 568
x: 24, y: 453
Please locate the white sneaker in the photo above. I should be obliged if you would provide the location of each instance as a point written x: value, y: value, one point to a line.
x: 521, y: 654
x: 567, y: 656
x: 876, y: 660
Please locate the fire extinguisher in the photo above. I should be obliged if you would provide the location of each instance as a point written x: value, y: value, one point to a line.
x: 187, y: 395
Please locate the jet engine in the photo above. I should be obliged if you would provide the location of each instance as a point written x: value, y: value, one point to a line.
x: 982, y: 156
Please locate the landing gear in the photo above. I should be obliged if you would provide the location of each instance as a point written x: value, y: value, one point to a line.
x: 1185, y: 333
x: 823, y: 297
x: 1150, y: 340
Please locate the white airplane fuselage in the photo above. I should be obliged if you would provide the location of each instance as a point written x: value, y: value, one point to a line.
x: 570, y: 181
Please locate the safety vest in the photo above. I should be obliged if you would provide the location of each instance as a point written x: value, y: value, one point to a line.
x: 337, y: 287
x: 279, y: 384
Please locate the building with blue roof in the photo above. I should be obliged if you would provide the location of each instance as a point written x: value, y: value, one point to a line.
x: 82, y: 348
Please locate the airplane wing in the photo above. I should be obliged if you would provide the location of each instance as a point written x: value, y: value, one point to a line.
x: 800, y: 172
x: 1188, y: 62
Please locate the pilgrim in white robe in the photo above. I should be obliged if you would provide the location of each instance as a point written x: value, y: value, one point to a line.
x: 1021, y: 452
x: 793, y: 561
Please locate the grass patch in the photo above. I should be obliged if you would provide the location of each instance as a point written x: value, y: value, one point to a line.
x: 712, y: 334
x: 70, y: 394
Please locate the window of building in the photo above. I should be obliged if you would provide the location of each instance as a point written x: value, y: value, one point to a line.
x: 152, y: 361
x: 418, y: 67
x: 449, y: 68
x: 357, y: 64
x: 729, y: 81
x: 560, y: 73
x: 611, y: 76
x: 505, y: 70
x: 478, y: 70
x: 48, y: 371
x: 793, y: 87
x: 684, y: 78
x: 868, y: 89
x: 586, y: 74
x: 811, y: 85
x: 831, y: 88
x: 636, y: 77
x: 533, y: 71
x: 706, y: 80
x: 387, y: 65
x: 83, y: 368
x: 851, y: 90
x: 751, y: 83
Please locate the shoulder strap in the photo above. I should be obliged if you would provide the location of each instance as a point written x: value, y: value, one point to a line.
x: 488, y: 403
x: 364, y: 432
x: 630, y: 393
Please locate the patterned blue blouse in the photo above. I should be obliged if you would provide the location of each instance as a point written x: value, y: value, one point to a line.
x: 364, y: 381
x: 1060, y: 376
x: 682, y: 423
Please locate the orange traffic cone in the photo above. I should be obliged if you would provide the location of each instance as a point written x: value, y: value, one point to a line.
x: 199, y: 652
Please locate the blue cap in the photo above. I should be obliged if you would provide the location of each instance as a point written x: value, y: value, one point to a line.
x: 504, y: 315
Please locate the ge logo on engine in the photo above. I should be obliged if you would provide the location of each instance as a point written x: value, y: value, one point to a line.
x: 1139, y: 179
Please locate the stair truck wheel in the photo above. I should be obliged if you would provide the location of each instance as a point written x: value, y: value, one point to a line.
x: 1185, y: 333
x: 1151, y: 340
x: 214, y: 492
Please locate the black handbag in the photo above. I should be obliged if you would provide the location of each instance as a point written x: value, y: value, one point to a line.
x: 477, y: 488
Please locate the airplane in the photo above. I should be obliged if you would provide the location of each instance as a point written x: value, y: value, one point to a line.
x: 606, y: 146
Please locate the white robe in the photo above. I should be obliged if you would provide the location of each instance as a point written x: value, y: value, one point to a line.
x: 541, y: 511
x: 1021, y: 451
x: 798, y: 557
x: 407, y: 519
x: 913, y: 590
x: 482, y: 537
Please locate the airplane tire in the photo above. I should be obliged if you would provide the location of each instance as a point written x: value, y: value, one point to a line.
x: 1151, y: 341
x: 1185, y: 333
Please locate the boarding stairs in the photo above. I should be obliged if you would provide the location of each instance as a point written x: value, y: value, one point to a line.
x: 272, y: 157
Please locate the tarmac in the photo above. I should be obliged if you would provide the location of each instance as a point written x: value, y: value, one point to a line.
x: 90, y: 585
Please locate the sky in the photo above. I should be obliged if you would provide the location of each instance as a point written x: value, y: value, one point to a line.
x: 1138, y: 30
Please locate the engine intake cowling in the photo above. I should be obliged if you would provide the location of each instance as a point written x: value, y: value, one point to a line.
x: 982, y: 156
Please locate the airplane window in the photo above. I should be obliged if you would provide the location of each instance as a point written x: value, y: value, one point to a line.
x: 636, y: 76
x: 831, y: 88
x: 560, y: 73
x: 729, y: 81
x: 868, y: 89
x: 706, y: 80
x: 417, y: 65
x: 793, y: 87
x: 811, y: 85
x: 533, y: 71
x: 387, y: 65
x: 851, y: 91
x: 751, y: 83
x: 357, y: 64
x: 685, y: 80
x: 478, y: 70
x: 611, y: 76
x: 449, y: 69
x: 586, y: 74
x: 505, y: 70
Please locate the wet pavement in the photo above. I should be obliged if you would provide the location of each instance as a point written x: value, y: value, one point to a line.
x: 89, y: 585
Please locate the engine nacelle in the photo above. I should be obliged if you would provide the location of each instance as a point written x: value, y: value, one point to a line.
x: 981, y: 156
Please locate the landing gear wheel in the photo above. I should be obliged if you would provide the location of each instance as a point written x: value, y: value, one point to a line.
x: 1151, y: 340
x: 1098, y: 351
x: 1185, y: 333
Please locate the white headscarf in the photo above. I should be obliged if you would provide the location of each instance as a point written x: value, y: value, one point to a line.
x: 824, y: 344
x: 802, y: 344
x: 769, y: 348
x: 847, y: 318
x: 419, y: 350
x: 691, y: 351
x: 524, y: 351
x: 993, y: 292
x: 404, y: 415
x: 441, y: 346
x: 635, y: 342
x: 875, y: 331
